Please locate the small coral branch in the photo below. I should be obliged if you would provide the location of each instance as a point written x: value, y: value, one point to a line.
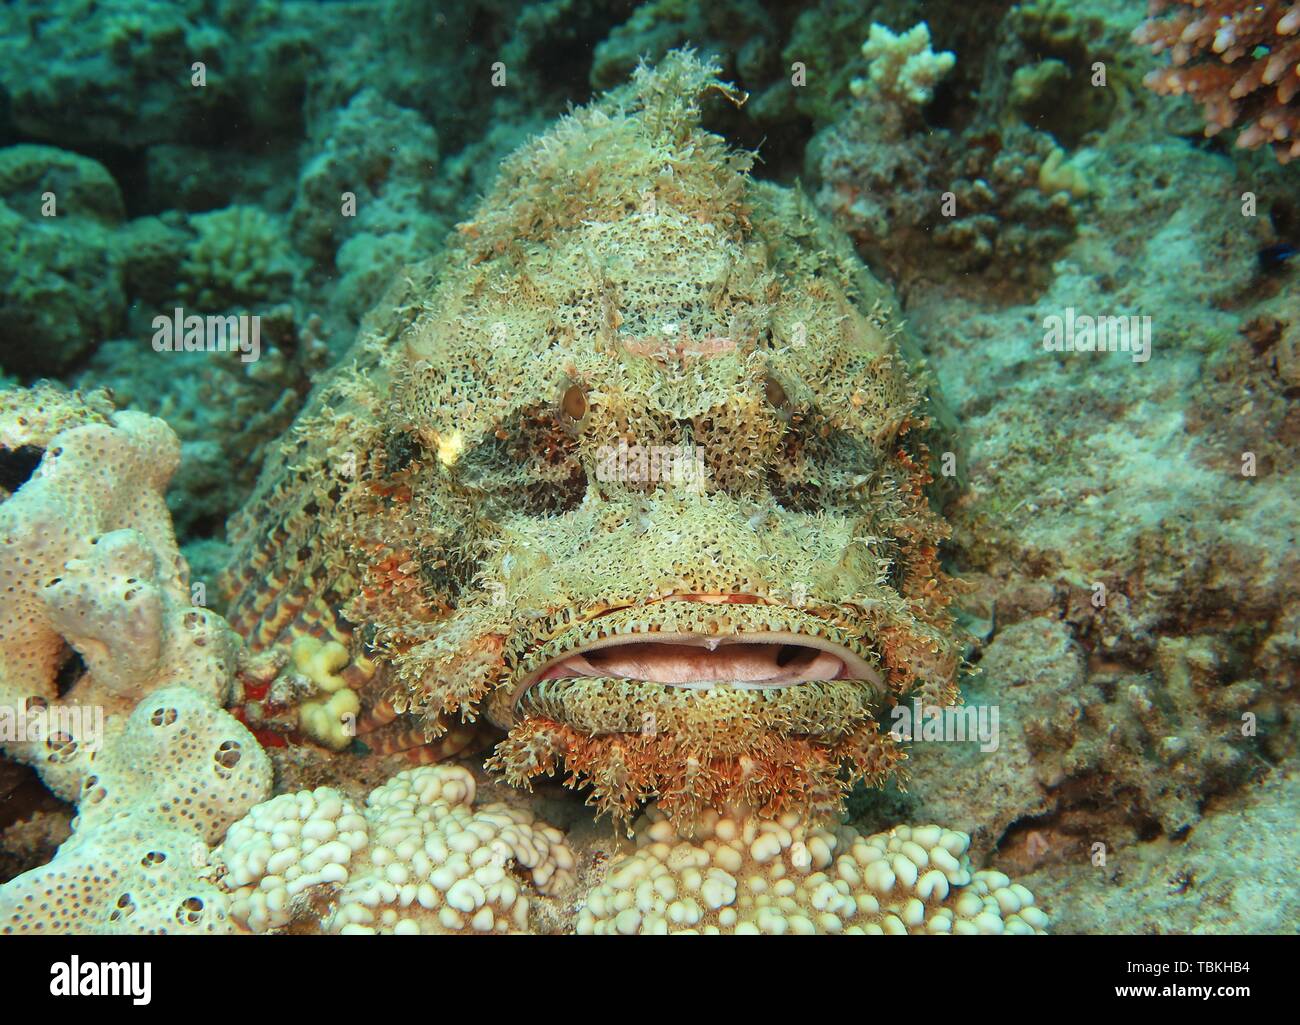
x: 1239, y: 59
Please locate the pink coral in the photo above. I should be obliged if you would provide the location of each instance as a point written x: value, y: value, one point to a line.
x: 1240, y: 59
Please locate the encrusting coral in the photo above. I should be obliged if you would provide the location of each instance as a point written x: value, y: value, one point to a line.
x: 61, y: 286
x: 1239, y: 59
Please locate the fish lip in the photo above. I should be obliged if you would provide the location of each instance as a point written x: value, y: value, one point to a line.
x: 853, y: 664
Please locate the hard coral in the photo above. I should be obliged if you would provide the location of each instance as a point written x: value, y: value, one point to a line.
x: 238, y: 257
x: 742, y: 873
x: 1240, y: 59
x: 421, y: 859
x: 902, y: 68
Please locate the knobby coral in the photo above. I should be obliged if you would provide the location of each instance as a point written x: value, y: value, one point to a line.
x: 1240, y: 59
x: 741, y: 873
x: 420, y: 859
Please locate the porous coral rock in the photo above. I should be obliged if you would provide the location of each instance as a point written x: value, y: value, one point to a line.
x: 741, y: 873
x: 157, y: 794
x: 89, y: 565
x: 420, y: 859
x: 226, y: 412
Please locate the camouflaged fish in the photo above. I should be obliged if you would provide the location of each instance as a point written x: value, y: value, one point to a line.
x: 637, y: 479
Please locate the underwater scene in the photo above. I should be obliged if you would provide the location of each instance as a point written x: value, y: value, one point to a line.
x: 641, y: 466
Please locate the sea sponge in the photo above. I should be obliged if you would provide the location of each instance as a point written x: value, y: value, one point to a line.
x: 739, y: 873
x: 181, y: 760
x: 421, y: 859
x: 169, y: 785
x: 1240, y: 61
x: 97, y: 611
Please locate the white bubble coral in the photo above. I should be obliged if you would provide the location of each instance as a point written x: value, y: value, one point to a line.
x: 903, y: 68
x: 421, y: 859
x: 742, y: 874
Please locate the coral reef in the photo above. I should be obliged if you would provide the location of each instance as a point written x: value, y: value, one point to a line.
x: 1229, y: 875
x: 1239, y: 60
x: 61, y: 287
x: 1135, y: 590
x: 644, y: 394
x: 420, y: 859
x: 742, y: 874
x: 391, y: 189
x: 994, y: 202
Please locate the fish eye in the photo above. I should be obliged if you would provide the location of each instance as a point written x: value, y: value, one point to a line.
x: 776, y: 396
x: 574, y: 403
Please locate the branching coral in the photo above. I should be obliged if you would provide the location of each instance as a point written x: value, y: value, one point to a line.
x: 238, y: 257
x: 902, y: 68
x: 1240, y: 59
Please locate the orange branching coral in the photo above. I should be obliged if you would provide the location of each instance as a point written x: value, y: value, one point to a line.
x: 1239, y: 59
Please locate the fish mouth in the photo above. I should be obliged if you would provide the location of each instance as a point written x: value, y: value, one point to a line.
x: 702, y: 642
